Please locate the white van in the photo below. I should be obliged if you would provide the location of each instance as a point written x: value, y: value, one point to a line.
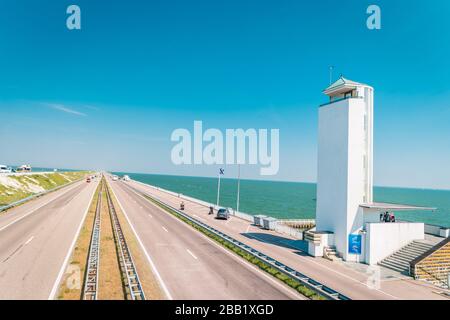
x: 5, y: 169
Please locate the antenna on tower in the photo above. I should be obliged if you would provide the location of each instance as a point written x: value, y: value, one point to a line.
x: 331, y: 73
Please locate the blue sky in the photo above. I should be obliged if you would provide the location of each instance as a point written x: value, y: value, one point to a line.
x: 108, y: 96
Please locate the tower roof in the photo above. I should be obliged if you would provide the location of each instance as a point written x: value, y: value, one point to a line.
x: 342, y: 85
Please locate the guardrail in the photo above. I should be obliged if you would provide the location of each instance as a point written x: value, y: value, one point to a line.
x: 308, y: 282
x: 127, y: 264
x: 36, y: 195
x: 91, y: 281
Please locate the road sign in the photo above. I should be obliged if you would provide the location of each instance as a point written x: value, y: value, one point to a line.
x: 354, y: 243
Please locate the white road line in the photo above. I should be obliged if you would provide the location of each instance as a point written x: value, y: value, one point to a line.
x: 150, y: 261
x: 150, y: 215
x: 34, y: 210
x: 29, y: 240
x: 69, y: 253
x: 165, y: 229
x: 193, y: 255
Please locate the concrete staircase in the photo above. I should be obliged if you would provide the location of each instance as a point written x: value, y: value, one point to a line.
x: 330, y: 253
x: 401, y: 259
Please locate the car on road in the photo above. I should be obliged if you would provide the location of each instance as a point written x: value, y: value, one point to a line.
x: 5, y: 169
x: 115, y: 178
x: 88, y: 179
x: 223, y: 213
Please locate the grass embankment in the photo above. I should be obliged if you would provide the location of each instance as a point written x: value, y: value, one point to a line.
x: 291, y: 282
x: 16, y: 187
x: 149, y: 283
x: 76, y: 268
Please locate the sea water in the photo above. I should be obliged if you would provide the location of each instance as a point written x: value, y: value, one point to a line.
x: 295, y: 200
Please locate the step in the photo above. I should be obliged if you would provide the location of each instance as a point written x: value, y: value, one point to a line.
x: 413, y: 254
x: 400, y: 257
x: 415, y: 249
x: 422, y: 244
x: 393, y: 267
x: 397, y: 260
x: 407, y: 256
x: 398, y: 264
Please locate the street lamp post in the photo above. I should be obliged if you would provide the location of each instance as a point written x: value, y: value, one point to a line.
x: 238, y: 187
x: 221, y: 172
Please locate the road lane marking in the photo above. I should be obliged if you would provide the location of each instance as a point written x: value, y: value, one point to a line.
x: 149, y: 259
x: 69, y: 253
x: 165, y: 229
x: 150, y: 215
x: 29, y: 240
x: 193, y: 255
x: 35, y: 209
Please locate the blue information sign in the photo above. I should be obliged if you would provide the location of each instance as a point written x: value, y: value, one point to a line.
x: 354, y: 243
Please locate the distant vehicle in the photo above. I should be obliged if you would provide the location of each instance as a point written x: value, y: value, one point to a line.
x: 223, y: 214
x: 5, y: 169
x: 126, y: 178
x: 88, y: 179
x: 115, y: 178
x: 24, y: 168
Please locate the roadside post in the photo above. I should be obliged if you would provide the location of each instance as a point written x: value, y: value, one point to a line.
x: 221, y: 172
x: 238, y: 187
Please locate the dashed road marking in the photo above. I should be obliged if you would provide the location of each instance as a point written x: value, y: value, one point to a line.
x: 193, y: 255
x: 29, y: 240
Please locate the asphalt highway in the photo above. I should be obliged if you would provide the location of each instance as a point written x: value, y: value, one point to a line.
x: 36, y: 239
x: 190, y: 265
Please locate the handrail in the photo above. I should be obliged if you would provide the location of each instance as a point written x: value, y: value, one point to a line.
x: 341, y: 99
x: 429, y: 252
x: 433, y: 276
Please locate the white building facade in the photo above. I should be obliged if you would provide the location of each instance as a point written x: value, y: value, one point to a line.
x: 346, y: 217
x: 345, y: 170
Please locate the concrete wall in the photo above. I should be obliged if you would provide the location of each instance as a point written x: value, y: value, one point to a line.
x: 383, y: 239
x: 342, y: 175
